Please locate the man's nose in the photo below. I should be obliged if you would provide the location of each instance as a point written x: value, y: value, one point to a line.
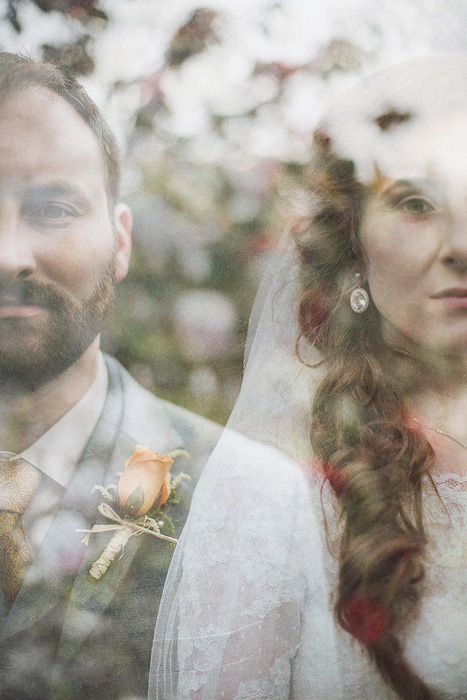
x: 16, y: 254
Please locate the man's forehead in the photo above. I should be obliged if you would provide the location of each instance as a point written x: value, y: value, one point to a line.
x: 39, y: 132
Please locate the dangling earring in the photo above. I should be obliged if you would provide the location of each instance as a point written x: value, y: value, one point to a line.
x: 359, y: 298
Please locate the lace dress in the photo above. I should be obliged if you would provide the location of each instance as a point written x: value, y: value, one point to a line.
x: 248, y: 609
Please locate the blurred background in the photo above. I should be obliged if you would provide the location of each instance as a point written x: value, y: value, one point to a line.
x: 214, y: 104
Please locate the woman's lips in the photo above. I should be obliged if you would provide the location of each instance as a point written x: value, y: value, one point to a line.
x: 455, y: 297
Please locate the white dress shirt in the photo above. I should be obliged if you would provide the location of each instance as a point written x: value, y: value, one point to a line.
x: 56, y: 455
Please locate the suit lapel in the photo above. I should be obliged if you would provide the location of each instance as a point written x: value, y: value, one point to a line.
x: 62, y: 554
x: 90, y: 598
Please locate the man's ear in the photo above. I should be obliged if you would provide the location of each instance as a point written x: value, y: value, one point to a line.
x: 123, y: 225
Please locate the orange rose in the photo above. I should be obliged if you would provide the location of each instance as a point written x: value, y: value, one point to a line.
x: 146, y: 476
x: 165, y: 493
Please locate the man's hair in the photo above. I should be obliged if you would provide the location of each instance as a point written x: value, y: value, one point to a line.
x: 19, y: 73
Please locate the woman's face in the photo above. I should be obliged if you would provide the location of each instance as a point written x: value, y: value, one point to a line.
x: 414, y: 239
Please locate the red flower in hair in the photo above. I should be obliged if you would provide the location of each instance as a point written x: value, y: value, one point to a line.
x: 335, y: 477
x: 318, y: 312
x: 365, y: 619
x: 314, y: 314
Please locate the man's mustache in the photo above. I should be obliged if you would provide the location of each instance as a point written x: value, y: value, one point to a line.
x: 32, y: 293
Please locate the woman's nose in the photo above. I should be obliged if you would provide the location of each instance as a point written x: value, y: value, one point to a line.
x: 455, y: 247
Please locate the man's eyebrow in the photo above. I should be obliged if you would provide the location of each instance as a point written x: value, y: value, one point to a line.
x: 56, y: 190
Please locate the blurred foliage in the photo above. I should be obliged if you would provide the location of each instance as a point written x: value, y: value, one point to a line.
x: 192, y: 37
x: 83, y: 10
x: 73, y: 57
x: 216, y: 138
x: 233, y: 205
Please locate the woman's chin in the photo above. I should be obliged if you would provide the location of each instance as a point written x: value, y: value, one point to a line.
x: 450, y: 343
x: 446, y: 360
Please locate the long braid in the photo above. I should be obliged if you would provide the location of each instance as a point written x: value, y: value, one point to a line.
x: 379, y: 462
x: 371, y: 454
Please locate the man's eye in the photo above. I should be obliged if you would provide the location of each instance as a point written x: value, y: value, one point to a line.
x: 48, y: 213
x: 416, y: 205
x: 53, y: 211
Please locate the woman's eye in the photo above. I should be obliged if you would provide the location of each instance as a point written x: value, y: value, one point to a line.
x: 416, y: 205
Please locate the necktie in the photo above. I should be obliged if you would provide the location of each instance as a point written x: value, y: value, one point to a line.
x: 18, y: 481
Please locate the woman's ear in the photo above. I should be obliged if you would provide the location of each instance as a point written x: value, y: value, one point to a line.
x: 123, y: 226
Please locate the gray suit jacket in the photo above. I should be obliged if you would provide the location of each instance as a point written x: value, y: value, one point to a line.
x: 68, y: 636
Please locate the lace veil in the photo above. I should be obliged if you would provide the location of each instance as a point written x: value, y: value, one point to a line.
x: 266, y: 434
x: 236, y: 572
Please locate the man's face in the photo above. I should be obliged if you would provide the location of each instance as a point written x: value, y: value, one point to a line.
x: 61, y: 249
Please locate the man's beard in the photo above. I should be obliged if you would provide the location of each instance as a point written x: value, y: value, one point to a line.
x: 33, y: 354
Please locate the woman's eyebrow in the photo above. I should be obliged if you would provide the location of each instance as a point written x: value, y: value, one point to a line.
x: 395, y: 188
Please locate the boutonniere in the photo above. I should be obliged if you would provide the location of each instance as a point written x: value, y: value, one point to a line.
x: 138, y: 504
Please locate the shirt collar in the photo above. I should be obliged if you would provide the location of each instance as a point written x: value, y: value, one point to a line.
x: 57, y: 452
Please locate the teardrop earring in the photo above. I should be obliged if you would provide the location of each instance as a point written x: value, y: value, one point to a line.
x: 359, y: 298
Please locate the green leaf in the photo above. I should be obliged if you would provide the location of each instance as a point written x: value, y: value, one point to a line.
x: 135, y: 501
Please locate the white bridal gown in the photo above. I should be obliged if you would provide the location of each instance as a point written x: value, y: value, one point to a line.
x: 249, y: 599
